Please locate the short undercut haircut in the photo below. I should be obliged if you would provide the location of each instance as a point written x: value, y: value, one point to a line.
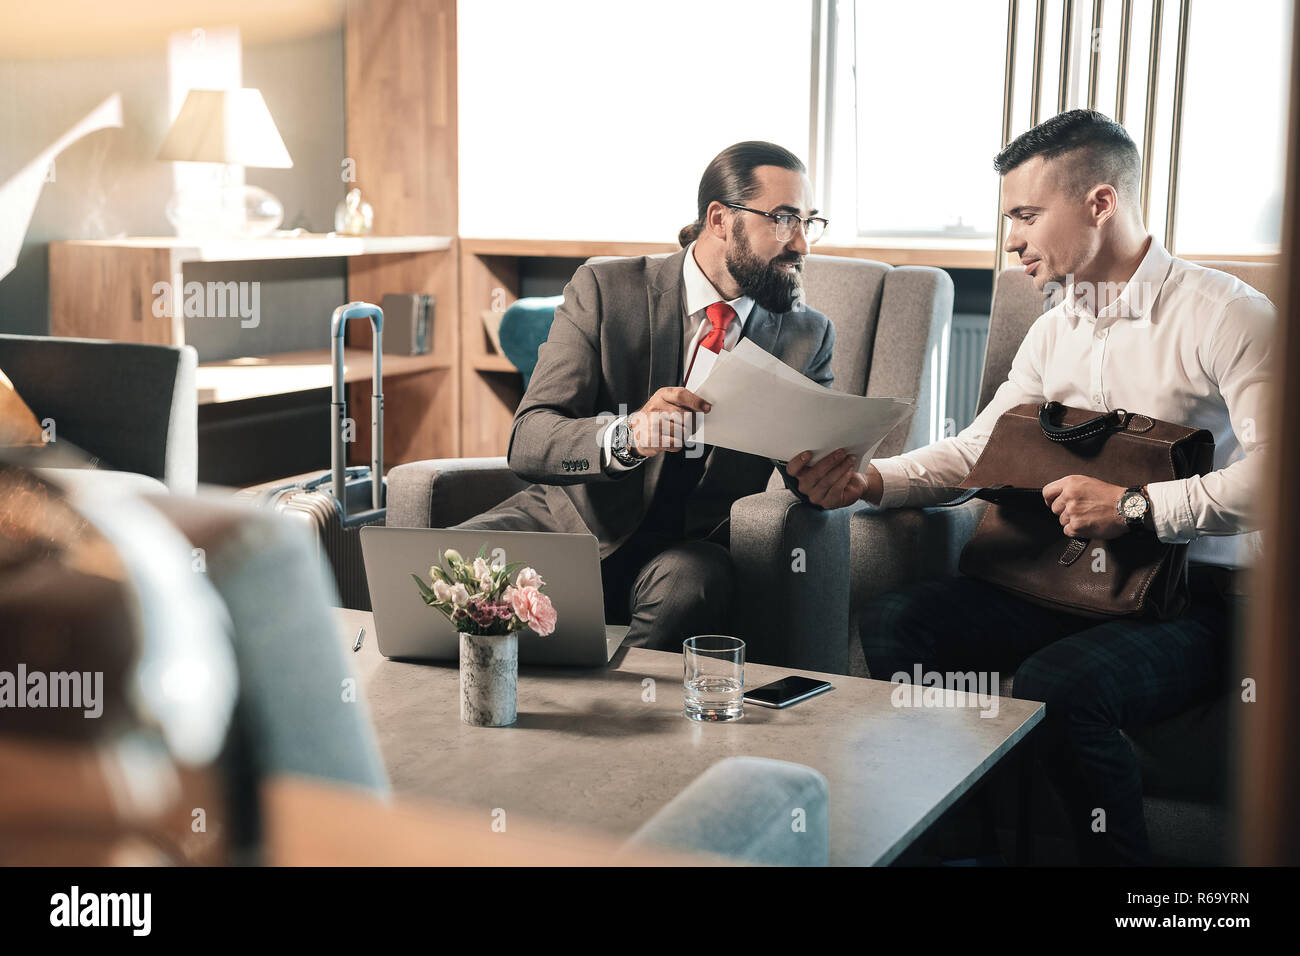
x: 1089, y: 148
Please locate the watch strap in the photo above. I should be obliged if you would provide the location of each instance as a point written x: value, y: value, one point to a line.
x: 1149, y: 516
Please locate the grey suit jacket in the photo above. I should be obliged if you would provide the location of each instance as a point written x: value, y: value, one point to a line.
x: 616, y: 339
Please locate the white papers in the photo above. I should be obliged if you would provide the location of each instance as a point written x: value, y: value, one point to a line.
x: 18, y: 195
x: 700, y: 366
x: 761, y: 406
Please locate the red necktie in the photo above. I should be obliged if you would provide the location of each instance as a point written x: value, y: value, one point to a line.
x: 720, y: 315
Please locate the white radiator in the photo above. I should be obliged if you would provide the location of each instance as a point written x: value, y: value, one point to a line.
x: 968, y: 340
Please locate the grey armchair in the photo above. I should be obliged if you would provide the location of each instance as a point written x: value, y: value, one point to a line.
x: 891, y: 327
x: 134, y: 407
x: 1183, y: 759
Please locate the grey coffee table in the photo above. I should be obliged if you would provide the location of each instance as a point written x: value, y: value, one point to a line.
x: 605, y: 749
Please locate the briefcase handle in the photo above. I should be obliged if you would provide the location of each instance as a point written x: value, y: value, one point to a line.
x: 1067, y: 434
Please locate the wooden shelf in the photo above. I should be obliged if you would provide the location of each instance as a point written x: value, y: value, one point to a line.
x: 102, y: 288
x: 909, y: 251
x: 562, y: 248
x: 1270, y: 257
x: 493, y: 363
x: 258, y: 376
x: 309, y: 246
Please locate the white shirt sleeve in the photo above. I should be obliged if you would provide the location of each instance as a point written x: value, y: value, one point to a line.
x: 931, y: 474
x: 1237, y: 356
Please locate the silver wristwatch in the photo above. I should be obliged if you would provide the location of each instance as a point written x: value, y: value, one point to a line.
x: 620, y: 444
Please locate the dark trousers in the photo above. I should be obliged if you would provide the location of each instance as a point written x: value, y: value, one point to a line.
x: 1095, y: 677
x: 667, y: 588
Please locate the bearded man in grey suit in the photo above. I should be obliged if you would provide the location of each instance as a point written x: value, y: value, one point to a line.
x: 625, y: 338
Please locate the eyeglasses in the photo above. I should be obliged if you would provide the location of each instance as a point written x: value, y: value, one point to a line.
x: 783, y: 223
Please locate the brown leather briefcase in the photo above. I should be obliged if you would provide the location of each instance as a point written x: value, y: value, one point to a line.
x: 1019, y: 545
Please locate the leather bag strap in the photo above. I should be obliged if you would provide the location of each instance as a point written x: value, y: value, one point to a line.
x: 1048, y: 412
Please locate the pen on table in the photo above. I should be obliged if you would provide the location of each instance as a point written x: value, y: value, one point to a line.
x: 356, y: 646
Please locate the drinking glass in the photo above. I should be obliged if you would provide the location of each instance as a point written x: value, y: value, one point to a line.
x: 714, y: 677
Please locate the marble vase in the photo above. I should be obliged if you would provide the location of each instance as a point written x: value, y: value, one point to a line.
x: 489, y: 679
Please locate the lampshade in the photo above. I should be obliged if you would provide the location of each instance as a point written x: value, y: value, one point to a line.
x: 225, y: 126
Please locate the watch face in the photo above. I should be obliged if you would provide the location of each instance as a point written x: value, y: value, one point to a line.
x: 1133, y: 505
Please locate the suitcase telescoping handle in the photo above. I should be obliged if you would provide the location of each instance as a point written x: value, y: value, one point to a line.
x: 339, y: 403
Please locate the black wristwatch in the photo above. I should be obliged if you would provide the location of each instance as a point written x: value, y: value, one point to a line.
x: 620, y: 444
x: 1135, y: 508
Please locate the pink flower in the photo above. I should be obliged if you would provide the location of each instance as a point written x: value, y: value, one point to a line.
x: 528, y: 578
x: 535, y: 609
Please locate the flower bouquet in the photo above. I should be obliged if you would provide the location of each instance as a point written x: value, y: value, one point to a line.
x: 488, y: 611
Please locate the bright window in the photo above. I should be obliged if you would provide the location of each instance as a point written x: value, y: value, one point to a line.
x: 929, y: 115
x: 918, y: 113
x: 588, y: 119
x: 1234, y: 127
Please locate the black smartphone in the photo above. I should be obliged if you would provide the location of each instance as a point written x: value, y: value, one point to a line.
x: 786, y: 691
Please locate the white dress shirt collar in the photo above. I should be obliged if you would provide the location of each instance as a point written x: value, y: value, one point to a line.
x: 700, y: 293
x: 1137, y: 297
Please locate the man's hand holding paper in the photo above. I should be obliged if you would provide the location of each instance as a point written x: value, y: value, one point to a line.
x: 761, y: 406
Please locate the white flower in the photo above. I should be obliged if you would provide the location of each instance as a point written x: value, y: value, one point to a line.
x: 442, y: 590
x: 481, y: 568
x: 528, y: 578
x: 459, y: 595
x: 452, y: 555
x: 485, y: 583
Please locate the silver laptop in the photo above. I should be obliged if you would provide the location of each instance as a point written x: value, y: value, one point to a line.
x: 405, y: 628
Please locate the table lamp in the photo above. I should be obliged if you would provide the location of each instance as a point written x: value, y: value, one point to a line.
x: 233, y: 128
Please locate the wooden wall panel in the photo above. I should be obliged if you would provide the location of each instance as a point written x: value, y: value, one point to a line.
x: 401, y: 106
x: 401, y: 139
x: 420, y: 432
x: 106, y: 292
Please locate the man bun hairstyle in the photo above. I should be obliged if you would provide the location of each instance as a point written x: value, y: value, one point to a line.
x: 730, y: 178
x: 1090, y: 148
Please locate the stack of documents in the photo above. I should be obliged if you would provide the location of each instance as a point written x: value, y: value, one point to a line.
x: 764, y: 407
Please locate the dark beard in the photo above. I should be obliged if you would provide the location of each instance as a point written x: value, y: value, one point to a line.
x: 762, y: 281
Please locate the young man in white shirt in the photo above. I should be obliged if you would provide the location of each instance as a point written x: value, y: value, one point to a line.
x: 1139, y: 330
